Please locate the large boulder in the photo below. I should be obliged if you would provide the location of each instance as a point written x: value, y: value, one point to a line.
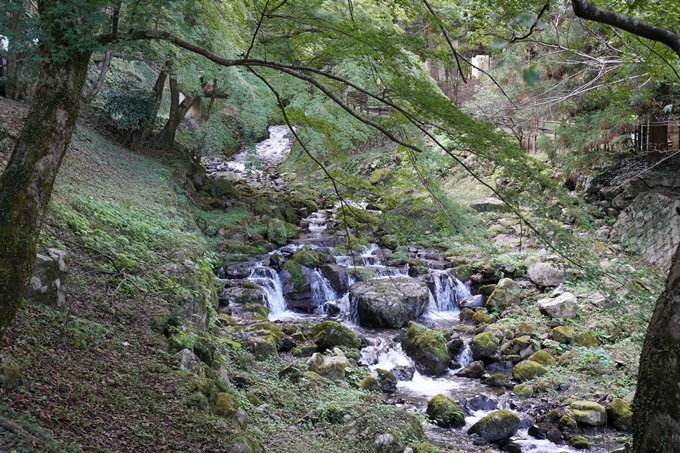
x: 226, y: 404
x: 337, y: 276
x: 444, y: 412
x: 474, y: 370
x: 427, y: 348
x: 329, y: 367
x: 588, y: 413
x: 489, y: 204
x: 620, y: 414
x: 390, y: 303
x: 563, y: 306
x: 505, y: 294
x: 496, y: 426
x: 563, y: 334
x: 328, y: 334
x: 527, y: 369
x: 48, y: 283
x: 483, y: 345
x: 546, y: 274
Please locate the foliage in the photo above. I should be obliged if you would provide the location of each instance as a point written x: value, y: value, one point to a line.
x: 129, y: 105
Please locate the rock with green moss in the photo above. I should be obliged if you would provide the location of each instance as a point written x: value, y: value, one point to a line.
x: 524, y: 328
x: 568, y: 426
x: 333, y: 368
x: 588, y: 413
x: 586, y: 339
x: 505, y: 294
x: 277, y: 232
x: 474, y: 370
x: 427, y: 348
x: 543, y: 357
x: 483, y: 345
x: 580, y: 443
x: 444, y: 412
x: 329, y: 334
x: 10, y: 373
x: 369, y: 383
x: 260, y: 309
x: 481, y: 317
x: 620, y: 414
x: 527, y: 370
x: 262, y: 348
x: 496, y: 426
x: 523, y: 390
x: 387, y: 381
x: 306, y: 257
x: 563, y: 334
x: 226, y: 404
x: 304, y: 349
x: 496, y: 380
x: 426, y: 448
x: 466, y: 314
x: 389, y: 303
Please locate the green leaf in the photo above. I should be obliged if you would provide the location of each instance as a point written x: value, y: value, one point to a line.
x: 531, y: 76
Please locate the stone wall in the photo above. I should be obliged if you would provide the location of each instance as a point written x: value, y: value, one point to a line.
x: 651, y: 224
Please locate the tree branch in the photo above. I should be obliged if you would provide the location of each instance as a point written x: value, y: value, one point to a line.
x: 586, y: 10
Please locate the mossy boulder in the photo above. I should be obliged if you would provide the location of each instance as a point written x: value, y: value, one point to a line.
x: 525, y: 329
x: 586, y: 339
x: 262, y: 347
x: 329, y: 367
x: 304, y: 350
x: 588, y: 413
x: 444, y: 412
x: 10, y: 373
x: 307, y: 257
x: 380, y: 176
x: 389, y: 303
x: 277, y: 232
x: 369, y: 383
x: 427, y: 347
x: 387, y: 381
x: 580, y: 443
x: 329, y: 334
x: 505, y: 294
x: 297, y: 277
x: 523, y: 390
x: 474, y: 370
x: 496, y: 380
x: 563, y: 334
x: 527, y: 370
x: 568, y: 426
x: 466, y: 314
x: 543, y: 357
x: 260, y: 309
x: 620, y: 414
x: 226, y: 404
x: 481, y: 317
x: 496, y: 426
x: 484, y: 345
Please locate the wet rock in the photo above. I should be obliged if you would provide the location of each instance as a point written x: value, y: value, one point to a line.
x: 503, y: 366
x: 478, y: 403
x: 483, y: 345
x: 49, y: 281
x: 472, y: 301
x: 496, y: 426
x: 387, y: 380
x: 497, y: 380
x: 505, y: 294
x: 329, y: 334
x: 546, y: 274
x: 527, y: 370
x: 453, y: 347
x: 474, y: 370
x: 620, y: 414
x: 588, y: 412
x: 568, y: 426
x: 427, y: 348
x: 337, y: 276
x: 545, y: 430
x: 563, y: 306
x: 444, y: 412
x: 379, y: 303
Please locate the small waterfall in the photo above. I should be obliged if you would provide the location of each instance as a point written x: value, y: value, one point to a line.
x: 383, y: 353
x: 321, y: 289
x: 272, y: 291
x: 465, y: 354
x: 448, y: 290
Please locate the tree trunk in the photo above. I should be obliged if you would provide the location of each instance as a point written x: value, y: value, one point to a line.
x: 158, y: 88
x: 166, y: 137
x: 106, y: 64
x: 26, y: 184
x: 14, y: 85
x: 656, y: 413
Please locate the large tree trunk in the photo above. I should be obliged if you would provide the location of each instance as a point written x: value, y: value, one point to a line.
x: 656, y: 414
x: 166, y: 137
x: 158, y: 88
x: 26, y: 184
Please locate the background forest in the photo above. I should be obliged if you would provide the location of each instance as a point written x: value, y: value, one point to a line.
x: 526, y: 148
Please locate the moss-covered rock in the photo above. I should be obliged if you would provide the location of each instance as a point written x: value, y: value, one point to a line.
x: 260, y: 309
x: 580, y: 443
x: 524, y: 328
x: 496, y: 426
x: 568, y: 426
x: 262, y: 347
x: 329, y: 367
x: 586, y: 339
x: 389, y: 303
x: 380, y: 176
x: 444, y: 412
x: 304, y: 350
x: 563, y: 334
x: 277, y: 232
x: 329, y: 334
x: 543, y: 357
x: 497, y: 380
x: 369, y: 383
x: 481, y: 317
x: 387, y: 381
x: 523, y: 390
x: 484, y: 345
x: 620, y: 414
x: 307, y: 257
x: 505, y: 294
x: 588, y: 412
x: 226, y: 404
x: 527, y: 370
x: 10, y: 373
x: 427, y: 347
x: 297, y: 277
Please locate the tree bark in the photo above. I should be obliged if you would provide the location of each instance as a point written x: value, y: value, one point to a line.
x: 158, y: 88
x: 106, y: 64
x: 166, y: 137
x: 26, y: 184
x: 656, y: 409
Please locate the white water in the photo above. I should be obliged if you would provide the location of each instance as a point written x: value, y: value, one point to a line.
x: 448, y: 290
x: 272, y: 291
x: 465, y: 355
x: 321, y: 289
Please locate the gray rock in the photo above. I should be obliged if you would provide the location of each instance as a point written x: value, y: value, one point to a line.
x: 546, y: 274
x: 390, y: 303
x: 472, y: 301
x: 504, y: 295
x: 48, y: 284
x: 563, y: 306
x: 337, y: 276
x: 496, y: 426
x: 588, y: 412
x: 474, y: 370
x: 489, y: 204
x: 386, y: 443
x: 188, y: 360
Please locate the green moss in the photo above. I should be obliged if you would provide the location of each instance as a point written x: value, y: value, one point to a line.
x: 304, y: 350
x: 563, y: 334
x: 260, y: 309
x: 10, y: 374
x: 307, y: 257
x: 311, y: 205
x: 370, y: 383
x: 276, y: 232
x: 580, y: 443
x: 527, y: 370
x: 466, y: 314
x: 543, y: 357
x: 427, y: 347
x: 444, y: 412
x: 226, y: 404
x: 380, y: 176
x: 329, y: 334
x: 481, y: 317
x: 484, y: 344
x: 620, y: 414
x: 497, y: 380
x: 523, y: 390
x: 496, y: 426
x: 297, y: 278
x: 586, y: 339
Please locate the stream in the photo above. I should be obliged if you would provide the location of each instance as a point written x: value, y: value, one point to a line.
x: 384, y: 351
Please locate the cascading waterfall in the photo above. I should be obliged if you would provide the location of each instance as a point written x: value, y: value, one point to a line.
x: 321, y: 289
x: 448, y: 290
x: 465, y: 355
x: 272, y: 291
